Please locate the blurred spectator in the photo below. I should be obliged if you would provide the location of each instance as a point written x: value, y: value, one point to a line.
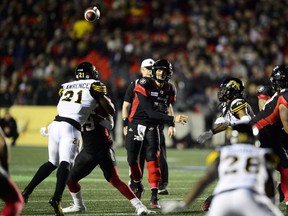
x: 9, y: 126
x: 206, y: 41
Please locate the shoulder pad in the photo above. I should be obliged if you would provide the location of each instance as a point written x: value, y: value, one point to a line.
x: 143, y: 80
x: 265, y: 90
x: 237, y: 105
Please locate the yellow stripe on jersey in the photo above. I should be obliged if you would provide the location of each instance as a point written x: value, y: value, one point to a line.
x: 240, y: 107
x: 100, y: 88
x: 212, y: 157
x: 60, y: 92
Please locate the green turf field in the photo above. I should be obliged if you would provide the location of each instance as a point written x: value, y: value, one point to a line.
x: 101, y: 198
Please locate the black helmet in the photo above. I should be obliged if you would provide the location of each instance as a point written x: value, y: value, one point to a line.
x: 86, y: 70
x: 164, y: 65
x: 279, y: 77
x: 231, y: 88
x: 242, y: 133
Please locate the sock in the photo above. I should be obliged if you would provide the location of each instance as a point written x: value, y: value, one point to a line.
x: 136, y: 203
x: 121, y: 186
x: 43, y: 172
x: 77, y: 198
x: 154, y: 192
x: 62, y: 177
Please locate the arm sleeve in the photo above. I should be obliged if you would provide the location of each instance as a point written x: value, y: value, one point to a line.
x: 145, y: 103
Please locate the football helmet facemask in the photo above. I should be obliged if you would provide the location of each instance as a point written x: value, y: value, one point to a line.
x: 279, y: 77
x: 164, y: 65
x: 86, y: 70
x: 231, y: 88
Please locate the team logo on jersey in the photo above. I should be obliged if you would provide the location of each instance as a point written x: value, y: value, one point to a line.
x: 154, y: 94
x: 142, y: 81
x: 151, y: 128
x: 138, y: 138
x: 161, y: 91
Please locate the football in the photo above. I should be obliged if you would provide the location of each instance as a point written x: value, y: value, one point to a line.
x: 91, y: 14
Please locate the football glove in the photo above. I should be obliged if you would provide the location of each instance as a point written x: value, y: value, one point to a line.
x: 44, y: 131
x: 169, y: 206
x: 205, y: 136
x: 222, y: 120
x: 107, y: 122
x: 99, y: 87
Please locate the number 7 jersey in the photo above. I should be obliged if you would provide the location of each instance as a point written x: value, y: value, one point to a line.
x: 243, y: 166
x: 77, y: 100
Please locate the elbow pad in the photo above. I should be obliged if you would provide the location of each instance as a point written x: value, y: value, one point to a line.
x: 243, y: 120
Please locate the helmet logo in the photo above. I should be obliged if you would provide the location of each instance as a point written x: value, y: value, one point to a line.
x: 234, y: 84
x: 81, y: 75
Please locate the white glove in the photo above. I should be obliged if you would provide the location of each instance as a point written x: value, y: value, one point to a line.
x: 170, y: 206
x: 205, y: 136
x: 107, y: 122
x: 222, y: 120
x: 44, y: 132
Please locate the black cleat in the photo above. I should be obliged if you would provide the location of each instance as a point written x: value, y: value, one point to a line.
x: 162, y: 190
x: 137, y: 188
x: 154, y: 203
x: 56, y: 204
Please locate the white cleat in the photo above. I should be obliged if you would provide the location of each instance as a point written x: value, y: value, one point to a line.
x: 144, y: 211
x: 73, y: 208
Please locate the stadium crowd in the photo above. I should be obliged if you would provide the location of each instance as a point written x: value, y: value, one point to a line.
x: 41, y: 42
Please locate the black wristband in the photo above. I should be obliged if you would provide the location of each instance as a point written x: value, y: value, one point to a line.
x: 171, y: 124
x: 125, y: 122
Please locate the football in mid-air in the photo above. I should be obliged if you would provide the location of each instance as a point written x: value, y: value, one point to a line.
x: 91, y: 14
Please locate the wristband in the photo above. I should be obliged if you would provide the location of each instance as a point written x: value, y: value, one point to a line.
x: 125, y: 122
x: 171, y: 124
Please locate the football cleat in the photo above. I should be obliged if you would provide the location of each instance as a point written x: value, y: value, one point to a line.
x: 170, y: 206
x: 137, y: 188
x: 56, y: 204
x: 206, y: 204
x: 74, y: 208
x: 162, y: 190
x: 154, y: 203
x: 142, y: 210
